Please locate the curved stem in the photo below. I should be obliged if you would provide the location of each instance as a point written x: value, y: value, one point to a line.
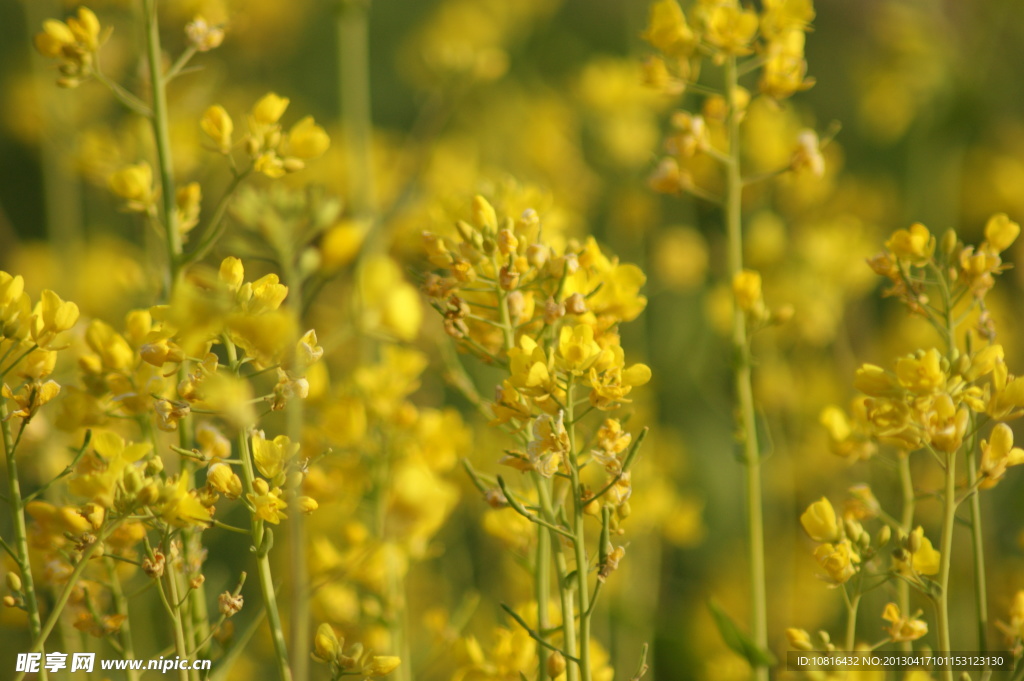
x: 744, y: 389
x: 579, y: 541
x: 906, y: 523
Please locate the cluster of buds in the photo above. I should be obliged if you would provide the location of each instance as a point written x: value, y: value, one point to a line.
x: 329, y: 648
x: 74, y: 42
x: 273, y: 152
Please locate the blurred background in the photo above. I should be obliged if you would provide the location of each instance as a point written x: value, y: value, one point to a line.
x: 541, y: 103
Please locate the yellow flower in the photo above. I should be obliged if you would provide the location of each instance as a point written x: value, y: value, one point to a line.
x: 180, y: 506
x: 271, y: 456
x: 269, y: 109
x: 799, y: 639
x: 916, y: 245
x: 550, y: 444
x: 306, y: 140
x: 86, y: 29
x: 730, y: 28
x: 31, y: 396
x: 50, y: 317
x: 341, y: 243
x: 1001, y: 232
x: 218, y: 126
x: 54, y: 38
x: 925, y: 560
x: 903, y: 628
x: 326, y: 643
x: 875, y: 381
x: 112, y: 348
x: 134, y: 184
x: 997, y: 454
x: 667, y: 30
x: 838, y: 560
x: 819, y: 521
x: 268, y: 504
x: 382, y: 665
x: 746, y: 288
x: 922, y: 372
x: 221, y: 478
x: 577, y: 349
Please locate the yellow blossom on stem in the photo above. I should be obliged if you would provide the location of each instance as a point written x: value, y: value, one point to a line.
x: 134, y: 184
x: 839, y: 561
x: 267, y: 503
x: 915, y: 245
x: 921, y: 373
x: 903, y: 628
x: 269, y: 109
x: 1001, y: 232
x: 577, y: 349
x: 819, y: 521
x: 997, y: 454
x: 271, y: 456
x: 667, y: 30
x: 218, y: 126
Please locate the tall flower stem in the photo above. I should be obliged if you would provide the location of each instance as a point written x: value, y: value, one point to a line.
x: 945, y: 560
x: 356, y: 114
x: 743, y: 387
x: 261, y: 540
x: 121, y: 608
x: 299, y: 589
x: 17, y: 506
x: 566, y: 599
x: 542, y: 578
x: 162, y: 137
x: 579, y: 542
x: 906, y: 524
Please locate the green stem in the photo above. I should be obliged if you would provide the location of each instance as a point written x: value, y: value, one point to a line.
x: 906, y: 522
x: 946, y: 549
x: 162, y: 137
x: 564, y: 592
x: 299, y: 592
x: 65, y: 594
x: 978, y: 549
x: 744, y: 389
x: 262, y: 557
x: 579, y: 542
x: 20, y: 532
x: 180, y: 645
x: 356, y: 114
x: 852, y: 605
x: 542, y: 579
x: 121, y: 608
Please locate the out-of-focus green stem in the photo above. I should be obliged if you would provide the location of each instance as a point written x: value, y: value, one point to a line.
x: 299, y: 587
x: 121, y: 608
x: 356, y: 113
x: 744, y: 389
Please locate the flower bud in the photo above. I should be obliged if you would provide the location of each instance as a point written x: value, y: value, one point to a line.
x: 13, y: 581
x: 326, y: 643
x: 382, y: 665
x: 555, y: 664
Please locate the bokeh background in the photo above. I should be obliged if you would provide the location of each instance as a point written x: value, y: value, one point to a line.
x: 541, y: 102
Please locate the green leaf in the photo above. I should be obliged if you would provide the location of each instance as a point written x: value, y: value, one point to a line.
x: 739, y: 641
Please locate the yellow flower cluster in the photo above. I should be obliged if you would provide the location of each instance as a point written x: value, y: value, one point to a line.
x: 74, y: 42
x: 725, y: 31
x: 271, y: 151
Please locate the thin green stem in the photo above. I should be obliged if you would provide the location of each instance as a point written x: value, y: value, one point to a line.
x: 906, y: 523
x: 564, y: 592
x: 121, y: 608
x: 946, y: 549
x: 259, y: 536
x: 852, y: 605
x: 579, y: 541
x: 542, y: 579
x: 744, y: 389
x: 17, y: 507
x: 162, y: 137
x: 356, y: 115
x: 178, y: 617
